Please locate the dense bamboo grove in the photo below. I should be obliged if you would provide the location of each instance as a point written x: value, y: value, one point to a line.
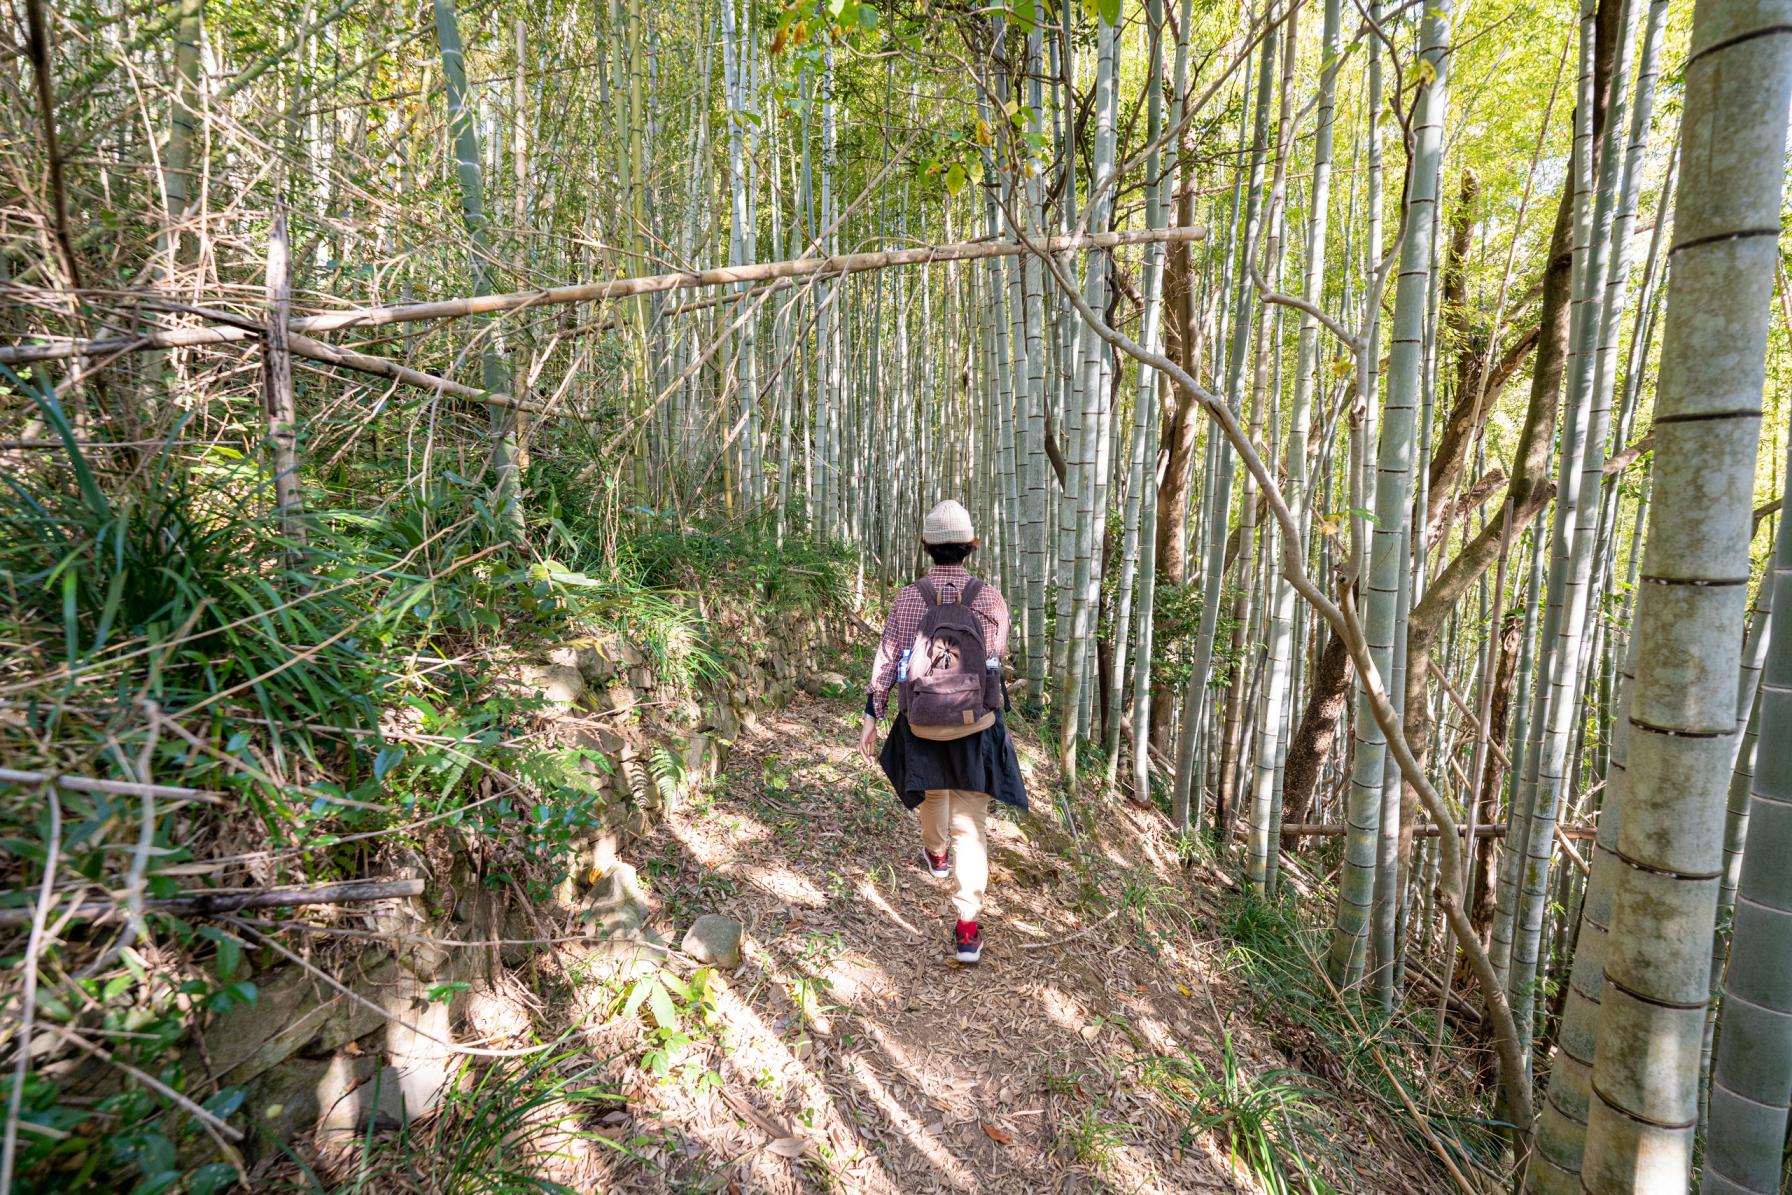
x: 1405, y: 466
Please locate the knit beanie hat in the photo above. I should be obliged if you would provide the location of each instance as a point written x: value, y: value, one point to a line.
x: 947, y: 523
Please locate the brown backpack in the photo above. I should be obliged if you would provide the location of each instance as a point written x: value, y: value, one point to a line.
x: 949, y: 692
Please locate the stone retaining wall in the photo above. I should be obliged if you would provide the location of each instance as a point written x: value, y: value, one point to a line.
x: 318, y: 1061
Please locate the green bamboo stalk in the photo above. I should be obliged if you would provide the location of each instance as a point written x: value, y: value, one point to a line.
x: 1144, y: 443
x: 1084, y: 487
x: 494, y: 371
x: 1272, y: 744
x: 1393, y: 495
x: 177, y: 154
x: 1751, y: 1083
x: 1583, y: 441
x: 1644, y: 1113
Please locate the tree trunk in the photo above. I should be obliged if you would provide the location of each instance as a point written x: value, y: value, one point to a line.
x: 1499, y: 724
x: 1313, y: 740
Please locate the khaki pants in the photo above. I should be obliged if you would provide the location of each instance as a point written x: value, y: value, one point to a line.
x: 955, y: 818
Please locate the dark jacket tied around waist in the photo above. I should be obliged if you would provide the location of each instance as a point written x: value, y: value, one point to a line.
x: 981, y: 763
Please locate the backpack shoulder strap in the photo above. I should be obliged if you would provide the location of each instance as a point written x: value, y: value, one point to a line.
x: 969, y: 593
x: 927, y: 592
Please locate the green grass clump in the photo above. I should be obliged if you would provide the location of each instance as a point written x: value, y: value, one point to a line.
x: 1270, y: 1122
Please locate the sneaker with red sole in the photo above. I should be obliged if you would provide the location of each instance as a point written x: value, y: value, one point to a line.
x: 967, y: 941
x: 936, y: 865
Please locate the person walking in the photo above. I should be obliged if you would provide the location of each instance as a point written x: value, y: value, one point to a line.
x: 948, y: 753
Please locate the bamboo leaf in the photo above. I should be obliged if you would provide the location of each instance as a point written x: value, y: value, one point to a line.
x: 389, y: 757
x: 230, y: 951
x: 659, y: 1003
x: 637, y: 995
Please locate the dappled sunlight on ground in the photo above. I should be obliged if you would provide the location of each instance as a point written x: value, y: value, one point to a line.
x: 849, y: 1052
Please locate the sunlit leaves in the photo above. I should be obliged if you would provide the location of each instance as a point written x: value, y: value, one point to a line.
x: 1107, y: 11
x: 833, y: 20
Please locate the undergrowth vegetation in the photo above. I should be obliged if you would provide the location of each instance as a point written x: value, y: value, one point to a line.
x: 1278, y: 954
x: 193, y: 697
x: 503, y: 1128
x: 1270, y: 1121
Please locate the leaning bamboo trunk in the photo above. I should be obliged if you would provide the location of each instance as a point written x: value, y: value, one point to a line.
x: 1562, y: 1121
x: 1576, y: 503
x: 1086, y: 469
x: 1736, y: 811
x: 1186, y: 798
x: 1641, y: 1122
x: 1037, y: 512
x: 178, y: 153
x: 1147, y: 578
x: 1144, y: 445
x: 1271, y: 752
x: 1517, y: 746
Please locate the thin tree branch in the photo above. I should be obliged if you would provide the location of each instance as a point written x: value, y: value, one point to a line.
x: 46, y: 110
x: 39, y: 914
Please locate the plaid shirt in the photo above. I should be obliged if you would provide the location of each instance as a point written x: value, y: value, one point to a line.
x: 906, y: 612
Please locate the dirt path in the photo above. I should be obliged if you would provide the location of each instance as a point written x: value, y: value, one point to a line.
x: 849, y: 1052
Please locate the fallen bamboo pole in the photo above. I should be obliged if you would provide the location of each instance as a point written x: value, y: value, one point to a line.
x: 213, y: 904
x: 119, y: 788
x: 298, y: 344
x: 1456, y: 700
x: 329, y: 354
x: 1338, y: 830
x: 594, y: 292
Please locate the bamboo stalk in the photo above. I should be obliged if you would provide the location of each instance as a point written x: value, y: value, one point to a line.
x: 1580, y: 864
x: 384, y: 367
x: 276, y: 385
